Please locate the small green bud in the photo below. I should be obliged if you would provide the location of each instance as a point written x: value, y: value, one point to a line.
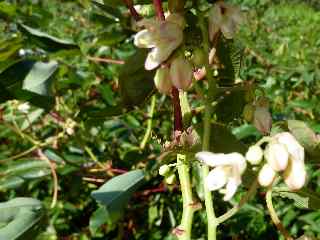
x: 248, y: 112
x: 198, y: 57
x: 164, y: 170
x: 171, y: 179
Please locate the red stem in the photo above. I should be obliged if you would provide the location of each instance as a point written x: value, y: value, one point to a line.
x: 159, y: 10
x: 178, y: 126
x: 132, y: 10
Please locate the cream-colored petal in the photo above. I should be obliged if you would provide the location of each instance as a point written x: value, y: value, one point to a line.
x: 153, y: 59
x: 144, y: 39
x: 295, y: 175
x: 216, y: 178
x: 170, y: 35
x: 293, y: 146
x: 231, y: 188
x: 277, y: 156
x: 177, y: 19
x: 266, y: 175
x: 181, y: 73
x: 228, y: 28
x: 210, y: 159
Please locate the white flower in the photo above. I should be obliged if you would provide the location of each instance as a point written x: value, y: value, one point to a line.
x: 254, y: 155
x: 24, y: 107
x: 266, y: 175
x: 224, y: 17
x: 295, y: 174
x: 162, y: 36
x: 227, y: 171
x: 284, y: 153
x: 277, y: 156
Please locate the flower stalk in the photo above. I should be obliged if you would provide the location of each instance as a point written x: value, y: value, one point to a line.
x: 212, y: 90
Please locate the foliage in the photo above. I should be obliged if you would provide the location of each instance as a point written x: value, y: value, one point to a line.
x: 66, y: 59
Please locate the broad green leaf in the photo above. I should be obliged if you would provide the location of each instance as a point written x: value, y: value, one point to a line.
x: 229, y: 53
x: 20, y: 218
x: 47, y: 41
x: 116, y: 193
x: 28, y: 81
x: 9, y: 47
x: 98, y: 218
x: 109, y: 9
x: 38, y: 79
x: 245, y: 130
x: 135, y: 83
x: 303, y: 198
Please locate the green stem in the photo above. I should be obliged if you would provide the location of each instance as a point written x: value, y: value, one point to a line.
x: 212, y: 91
x: 149, y: 123
x: 188, y: 204
x: 274, y: 216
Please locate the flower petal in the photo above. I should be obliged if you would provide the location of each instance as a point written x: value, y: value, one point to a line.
x: 176, y: 19
x: 216, y: 178
x: 294, y: 148
x: 144, y: 39
x: 231, y: 188
x: 277, y: 156
x: 181, y: 73
x: 266, y: 175
x: 211, y: 159
x: 295, y: 175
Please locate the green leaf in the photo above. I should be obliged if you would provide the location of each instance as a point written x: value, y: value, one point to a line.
x: 245, y: 130
x: 9, y: 47
x: 7, y: 10
x: 28, y: 81
x: 98, y: 218
x: 116, y: 193
x: 229, y: 53
x: 305, y: 136
x: 109, y: 9
x: 21, y: 218
x: 303, y: 198
x: 47, y: 41
x: 135, y: 83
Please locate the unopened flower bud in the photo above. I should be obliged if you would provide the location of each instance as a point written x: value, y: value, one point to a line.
x: 295, y: 175
x: 162, y: 80
x: 254, y: 155
x: 198, y: 57
x: 164, y: 170
x: 171, y: 179
x: 181, y: 73
x: 248, y: 112
x: 277, y: 156
x: 266, y: 175
x: 262, y: 120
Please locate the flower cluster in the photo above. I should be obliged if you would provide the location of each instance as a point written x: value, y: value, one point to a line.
x: 163, y: 37
x: 227, y: 171
x: 283, y: 154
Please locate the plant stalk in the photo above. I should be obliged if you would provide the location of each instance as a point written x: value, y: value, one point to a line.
x: 185, y: 226
x: 212, y: 91
x: 274, y: 216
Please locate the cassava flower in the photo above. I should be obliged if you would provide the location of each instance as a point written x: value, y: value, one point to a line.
x: 163, y: 37
x: 227, y: 171
x: 284, y: 153
x: 224, y: 17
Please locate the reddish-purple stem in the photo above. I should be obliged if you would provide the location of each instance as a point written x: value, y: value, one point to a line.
x: 178, y: 125
x: 159, y: 10
x: 132, y: 10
